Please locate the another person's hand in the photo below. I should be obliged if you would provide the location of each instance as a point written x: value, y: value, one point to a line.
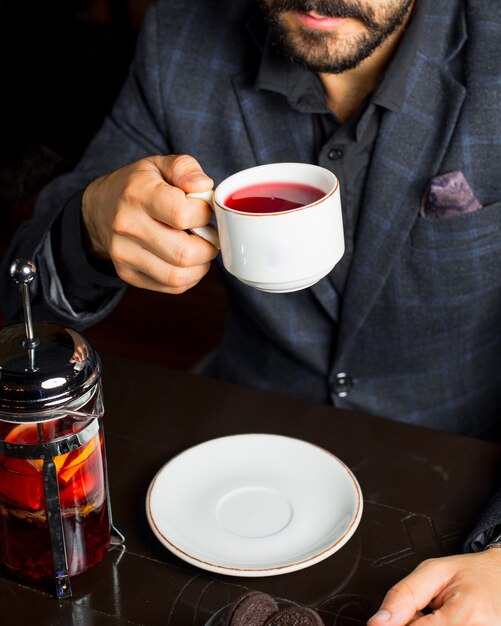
x: 462, y: 590
x: 138, y: 215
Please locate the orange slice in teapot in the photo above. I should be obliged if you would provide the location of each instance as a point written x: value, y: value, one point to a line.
x: 73, y: 460
x: 28, y: 433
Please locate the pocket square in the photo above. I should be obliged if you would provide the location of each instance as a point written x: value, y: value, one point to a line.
x: 449, y: 195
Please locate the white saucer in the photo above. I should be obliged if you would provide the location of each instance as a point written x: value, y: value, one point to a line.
x: 254, y: 505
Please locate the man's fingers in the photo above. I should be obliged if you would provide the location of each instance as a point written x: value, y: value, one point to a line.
x: 163, y: 195
x: 464, y: 605
x: 141, y: 268
x: 183, y: 171
x: 157, y: 187
x: 412, y: 594
x: 416, y: 617
x: 171, y: 206
x: 142, y: 281
x: 446, y: 616
x: 138, y: 215
x: 173, y: 246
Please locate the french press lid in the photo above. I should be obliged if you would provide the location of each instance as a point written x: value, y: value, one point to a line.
x: 43, y: 367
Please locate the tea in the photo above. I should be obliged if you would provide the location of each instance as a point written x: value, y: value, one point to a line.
x: 29, y: 552
x: 273, y: 197
x: 25, y: 547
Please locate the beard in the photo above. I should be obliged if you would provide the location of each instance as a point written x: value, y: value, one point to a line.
x: 327, y: 51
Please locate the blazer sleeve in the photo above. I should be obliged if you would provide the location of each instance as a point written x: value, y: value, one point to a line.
x: 135, y: 128
x: 487, y: 528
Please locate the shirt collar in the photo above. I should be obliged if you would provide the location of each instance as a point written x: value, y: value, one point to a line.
x: 390, y: 92
x: 300, y: 86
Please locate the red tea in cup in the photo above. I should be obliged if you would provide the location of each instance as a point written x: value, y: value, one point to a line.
x: 272, y: 197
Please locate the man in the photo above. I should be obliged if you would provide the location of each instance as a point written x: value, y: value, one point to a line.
x: 398, y: 98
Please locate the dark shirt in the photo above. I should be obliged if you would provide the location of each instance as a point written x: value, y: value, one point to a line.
x: 343, y: 148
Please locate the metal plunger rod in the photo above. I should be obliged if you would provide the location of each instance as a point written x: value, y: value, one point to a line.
x: 23, y: 271
x: 28, y: 321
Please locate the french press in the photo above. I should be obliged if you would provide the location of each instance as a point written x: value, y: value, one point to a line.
x: 55, y: 514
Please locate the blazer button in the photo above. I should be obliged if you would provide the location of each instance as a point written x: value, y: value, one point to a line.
x: 335, y: 154
x: 342, y: 385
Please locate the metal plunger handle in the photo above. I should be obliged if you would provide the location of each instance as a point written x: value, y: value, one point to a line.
x: 23, y: 271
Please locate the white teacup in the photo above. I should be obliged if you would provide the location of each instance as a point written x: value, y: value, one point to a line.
x: 280, y: 251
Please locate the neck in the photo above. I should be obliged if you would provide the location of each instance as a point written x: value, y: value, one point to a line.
x: 346, y: 91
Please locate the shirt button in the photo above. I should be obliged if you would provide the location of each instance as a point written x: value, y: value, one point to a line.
x: 335, y: 154
x: 342, y: 384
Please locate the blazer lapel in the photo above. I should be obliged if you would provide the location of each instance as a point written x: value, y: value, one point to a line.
x: 277, y: 133
x: 409, y: 150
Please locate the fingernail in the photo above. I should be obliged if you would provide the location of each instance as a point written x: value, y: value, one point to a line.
x: 381, y: 617
x: 194, y: 176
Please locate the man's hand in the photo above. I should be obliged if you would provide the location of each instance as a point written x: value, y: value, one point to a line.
x: 138, y: 215
x: 463, y: 590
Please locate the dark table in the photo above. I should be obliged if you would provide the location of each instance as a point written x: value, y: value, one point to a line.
x: 422, y: 492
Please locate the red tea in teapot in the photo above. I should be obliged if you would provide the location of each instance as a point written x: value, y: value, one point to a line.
x: 24, y: 533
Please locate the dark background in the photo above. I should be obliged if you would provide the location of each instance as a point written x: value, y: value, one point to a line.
x: 62, y: 65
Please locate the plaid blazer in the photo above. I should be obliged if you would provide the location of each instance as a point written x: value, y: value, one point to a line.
x: 416, y: 336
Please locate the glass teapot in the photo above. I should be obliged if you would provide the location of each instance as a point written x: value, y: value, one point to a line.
x: 55, y: 514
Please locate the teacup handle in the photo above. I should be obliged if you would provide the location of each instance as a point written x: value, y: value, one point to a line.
x: 209, y: 232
